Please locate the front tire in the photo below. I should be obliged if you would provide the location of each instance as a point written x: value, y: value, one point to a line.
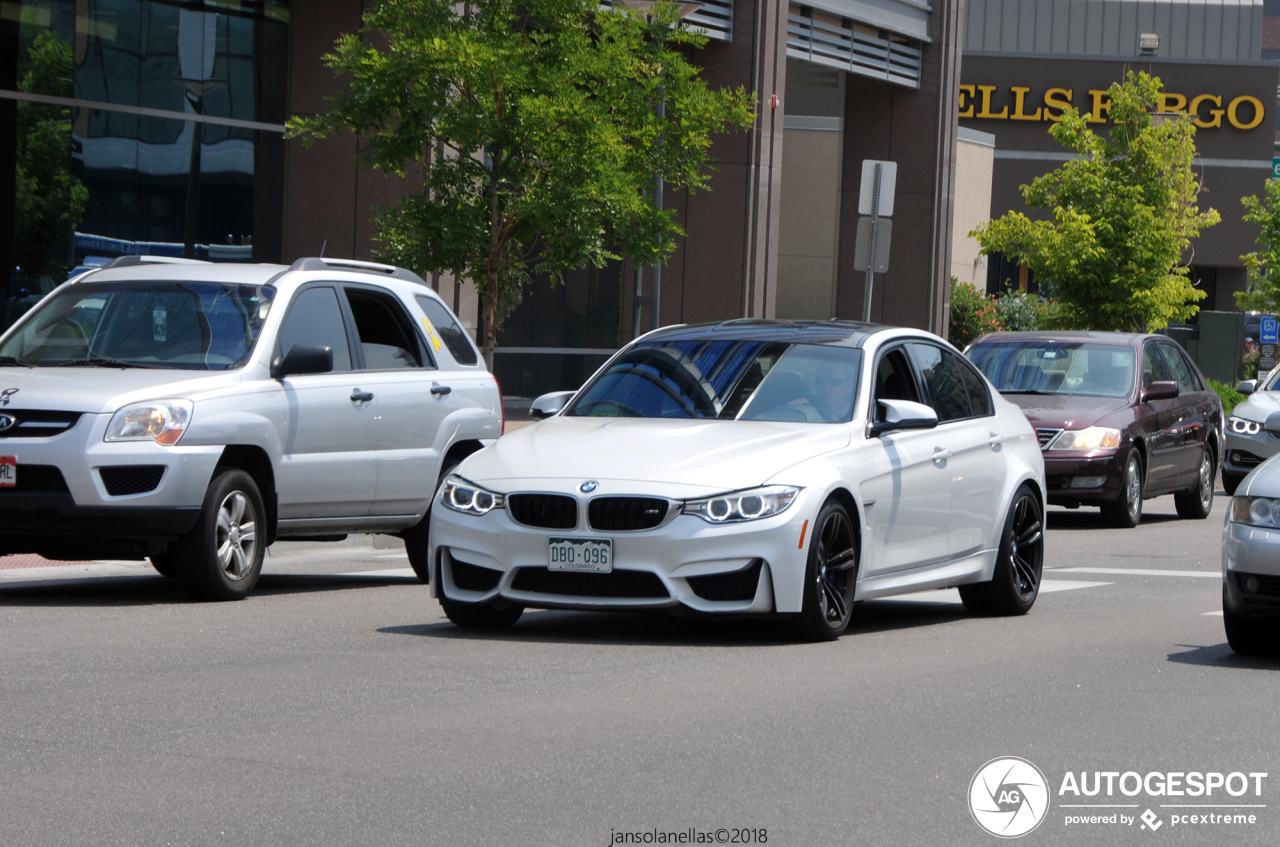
x: 1015, y: 584
x: 1245, y: 637
x: 1196, y: 503
x: 166, y: 564
x: 417, y: 538
x: 830, y: 577
x: 1230, y: 482
x: 1126, y: 511
x: 480, y: 615
x: 221, y: 557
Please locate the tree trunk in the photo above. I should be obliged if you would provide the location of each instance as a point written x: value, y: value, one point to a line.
x: 490, y: 318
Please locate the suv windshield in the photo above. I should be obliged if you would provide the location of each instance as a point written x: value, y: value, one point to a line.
x: 1037, y: 366
x: 726, y: 380
x: 207, y: 326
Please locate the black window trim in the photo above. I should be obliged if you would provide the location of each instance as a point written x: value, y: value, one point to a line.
x: 424, y: 352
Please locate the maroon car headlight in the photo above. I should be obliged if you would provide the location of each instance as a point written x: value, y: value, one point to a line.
x: 1092, y: 438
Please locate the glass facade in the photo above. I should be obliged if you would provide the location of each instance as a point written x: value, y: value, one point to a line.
x: 101, y: 105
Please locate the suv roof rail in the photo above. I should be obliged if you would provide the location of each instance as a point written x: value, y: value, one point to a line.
x: 317, y: 263
x: 130, y: 261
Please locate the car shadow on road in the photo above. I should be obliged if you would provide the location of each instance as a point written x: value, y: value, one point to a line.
x: 1222, y: 656
x: 1086, y: 518
x: 663, y: 629
x: 153, y: 589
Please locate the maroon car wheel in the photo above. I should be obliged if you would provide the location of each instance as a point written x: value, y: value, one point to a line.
x: 1126, y: 510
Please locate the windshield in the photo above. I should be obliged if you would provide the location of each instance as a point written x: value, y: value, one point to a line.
x: 726, y: 380
x: 185, y: 325
x: 1056, y: 367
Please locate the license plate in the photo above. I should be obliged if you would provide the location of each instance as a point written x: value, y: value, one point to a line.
x: 8, y: 471
x: 594, y: 555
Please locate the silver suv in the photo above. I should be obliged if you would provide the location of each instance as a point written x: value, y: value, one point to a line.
x: 193, y: 413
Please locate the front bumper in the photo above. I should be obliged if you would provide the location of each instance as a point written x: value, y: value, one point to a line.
x: 1251, y: 551
x: 1245, y: 452
x: 1061, y: 470
x: 686, y: 562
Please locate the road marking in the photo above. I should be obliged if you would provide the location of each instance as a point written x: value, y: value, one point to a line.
x: 1140, y: 572
x: 1213, y: 614
x: 56, y: 572
x: 952, y: 595
x: 394, y: 572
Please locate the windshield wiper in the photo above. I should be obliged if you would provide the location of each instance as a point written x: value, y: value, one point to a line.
x: 11, y: 361
x: 95, y: 361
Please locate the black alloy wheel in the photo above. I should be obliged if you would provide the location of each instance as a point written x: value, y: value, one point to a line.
x: 1015, y: 584
x: 1126, y: 510
x: 831, y: 575
x: 1197, y: 502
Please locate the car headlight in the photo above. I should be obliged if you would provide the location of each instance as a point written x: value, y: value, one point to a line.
x: 1256, y: 511
x: 161, y: 421
x: 1092, y: 438
x: 747, y: 505
x: 1242, y: 426
x: 462, y: 496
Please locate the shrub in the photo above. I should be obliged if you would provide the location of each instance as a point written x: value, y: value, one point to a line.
x: 1230, y: 397
x: 973, y: 314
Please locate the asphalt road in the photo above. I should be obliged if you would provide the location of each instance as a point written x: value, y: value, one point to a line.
x: 339, y: 709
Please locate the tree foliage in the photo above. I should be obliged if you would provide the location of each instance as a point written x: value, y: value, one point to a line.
x: 1124, y: 211
x: 529, y: 133
x: 1263, y: 266
x: 49, y: 202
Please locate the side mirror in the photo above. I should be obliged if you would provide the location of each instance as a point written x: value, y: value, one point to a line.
x: 303, y: 359
x: 1162, y: 390
x: 1272, y: 426
x: 1247, y: 387
x: 550, y: 404
x: 904, y: 414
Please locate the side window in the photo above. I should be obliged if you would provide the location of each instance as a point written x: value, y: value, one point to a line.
x: 1153, y: 367
x: 944, y: 377
x: 316, y: 318
x: 1180, y: 368
x: 386, y: 334
x: 894, y: 381
x: 453, y: 336
x: 979, y: 396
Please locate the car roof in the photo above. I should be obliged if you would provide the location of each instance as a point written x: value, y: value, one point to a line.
x: 1131, y: 339
x: 847, y: 333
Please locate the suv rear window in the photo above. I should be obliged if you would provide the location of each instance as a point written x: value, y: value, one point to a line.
x: 451, y: 334
x: 206, y: 326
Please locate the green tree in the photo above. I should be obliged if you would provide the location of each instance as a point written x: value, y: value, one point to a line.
x: 529, y: 131
x: 1263, y: 292
x: 1124, y: 211
x: 50, y: 202
x: 973, y: 313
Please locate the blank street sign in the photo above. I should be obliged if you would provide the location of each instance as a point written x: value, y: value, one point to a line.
x: 884, y: 230
x: 888, y: 180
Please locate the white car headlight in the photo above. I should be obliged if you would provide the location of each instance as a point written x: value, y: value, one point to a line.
x: 1242, y: 426
x: 161, y: 421
x: 1256, y: 511
x: 462, y: 496
x: 749, y: 505
x: 1092, y: 438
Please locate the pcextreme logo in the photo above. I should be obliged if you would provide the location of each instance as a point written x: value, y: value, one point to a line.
x: 1008, y: 797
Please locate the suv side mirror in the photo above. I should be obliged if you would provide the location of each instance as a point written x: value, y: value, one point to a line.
x: 904, y: 414
x: 303, y: 359
x: 550, y: 404
x: 1162, y: 390
x: 1247, y: 387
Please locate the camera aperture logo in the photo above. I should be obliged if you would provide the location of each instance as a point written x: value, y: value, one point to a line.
x: 1008, y: 797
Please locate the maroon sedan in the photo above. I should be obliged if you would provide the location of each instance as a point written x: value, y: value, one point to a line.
x: 1121, y: 417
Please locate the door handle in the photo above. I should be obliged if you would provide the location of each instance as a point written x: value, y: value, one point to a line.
x: 358, y: 396
x: 995, y: 441
x: 440, y: 390
x: 941, y: 454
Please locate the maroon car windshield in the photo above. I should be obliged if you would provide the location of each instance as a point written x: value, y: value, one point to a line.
x: 1037, y: 366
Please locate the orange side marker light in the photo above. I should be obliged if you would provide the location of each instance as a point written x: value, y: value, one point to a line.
x: 803, y: 530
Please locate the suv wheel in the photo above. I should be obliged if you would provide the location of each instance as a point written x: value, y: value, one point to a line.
x: 417, y: 539
x: 221, y: 557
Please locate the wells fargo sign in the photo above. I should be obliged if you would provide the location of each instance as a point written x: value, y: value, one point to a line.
x: 1208, y: 111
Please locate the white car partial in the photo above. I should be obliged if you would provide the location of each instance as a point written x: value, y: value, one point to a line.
x: 768, y: 468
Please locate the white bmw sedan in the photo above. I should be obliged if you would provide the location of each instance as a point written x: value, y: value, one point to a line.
x: 751, y: 468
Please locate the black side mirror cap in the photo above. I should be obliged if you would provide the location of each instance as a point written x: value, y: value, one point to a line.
x: 1162, y: 390
x: 303, y: 359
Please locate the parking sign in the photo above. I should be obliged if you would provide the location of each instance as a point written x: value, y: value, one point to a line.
x: 1269, y: 333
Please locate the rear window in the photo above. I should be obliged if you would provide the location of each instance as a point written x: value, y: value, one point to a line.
x: 453, y: 336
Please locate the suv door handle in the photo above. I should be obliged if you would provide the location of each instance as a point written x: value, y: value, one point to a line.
x: 995, y: 441
x: 941, y: 454
x: 440, y: 390
x: 358, y: 396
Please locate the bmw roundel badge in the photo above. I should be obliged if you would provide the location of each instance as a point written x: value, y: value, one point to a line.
x: 589, y: 486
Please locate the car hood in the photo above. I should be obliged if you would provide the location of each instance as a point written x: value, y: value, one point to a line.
x: 1065, y: 411
x: 100, y: 390
x: 694, y: 456
x: 1259, y: 406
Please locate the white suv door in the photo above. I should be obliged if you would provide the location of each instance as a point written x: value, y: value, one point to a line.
x: 327, y: 437
x: 412, y: 399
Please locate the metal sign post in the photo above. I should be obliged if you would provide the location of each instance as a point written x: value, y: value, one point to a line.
x: 871, y: 251
x: 871, y: 245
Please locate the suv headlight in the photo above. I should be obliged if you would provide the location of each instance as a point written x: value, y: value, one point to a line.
x: 462, y: 496
x: 1256, y: 511
x: 1242, y: 426
x: 749, y: 505
x: 1091, y: 438
x: 161, y: 421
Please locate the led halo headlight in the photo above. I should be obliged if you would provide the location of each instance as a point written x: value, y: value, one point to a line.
x: 462, y: 496
x: 1241, y: 426
x: 750, y: 505
x: 161, y: 421
x: 1090, y: 438
x: 1256, y: 511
